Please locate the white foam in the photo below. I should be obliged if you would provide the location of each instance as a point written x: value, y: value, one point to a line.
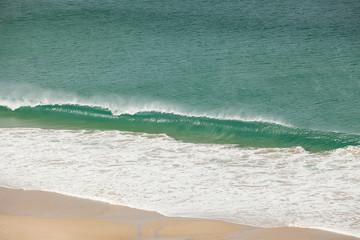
x: 267, y: 187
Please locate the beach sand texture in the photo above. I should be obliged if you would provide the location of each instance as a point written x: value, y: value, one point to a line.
x: 30, y: 215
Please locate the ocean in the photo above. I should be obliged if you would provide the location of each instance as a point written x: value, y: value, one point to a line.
x: 239, y: 110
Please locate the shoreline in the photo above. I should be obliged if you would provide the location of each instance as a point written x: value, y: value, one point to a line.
x: 31, y: 214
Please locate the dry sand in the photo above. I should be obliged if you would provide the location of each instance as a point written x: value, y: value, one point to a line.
x: 37, y: 215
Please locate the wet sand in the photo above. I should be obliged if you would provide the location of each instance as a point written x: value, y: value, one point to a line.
x: 30, y: 215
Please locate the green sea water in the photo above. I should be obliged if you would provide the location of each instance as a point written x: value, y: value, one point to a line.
x: 251, y: 73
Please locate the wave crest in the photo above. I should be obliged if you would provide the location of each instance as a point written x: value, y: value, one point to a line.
x: 188, y: 128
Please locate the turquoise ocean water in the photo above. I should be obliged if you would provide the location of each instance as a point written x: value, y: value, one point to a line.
x: 274, y: 84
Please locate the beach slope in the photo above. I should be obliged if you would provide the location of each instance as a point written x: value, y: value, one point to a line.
x: 30, y: 215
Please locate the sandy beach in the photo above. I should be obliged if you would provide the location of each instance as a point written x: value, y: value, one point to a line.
x: 28, y: 215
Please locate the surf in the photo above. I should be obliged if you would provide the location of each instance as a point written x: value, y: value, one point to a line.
x: 187, y: 128
x: 257, y: 186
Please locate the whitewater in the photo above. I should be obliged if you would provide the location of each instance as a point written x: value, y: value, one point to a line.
x: 263, y: 187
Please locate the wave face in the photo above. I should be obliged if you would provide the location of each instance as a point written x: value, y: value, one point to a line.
x: 187, y: 128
